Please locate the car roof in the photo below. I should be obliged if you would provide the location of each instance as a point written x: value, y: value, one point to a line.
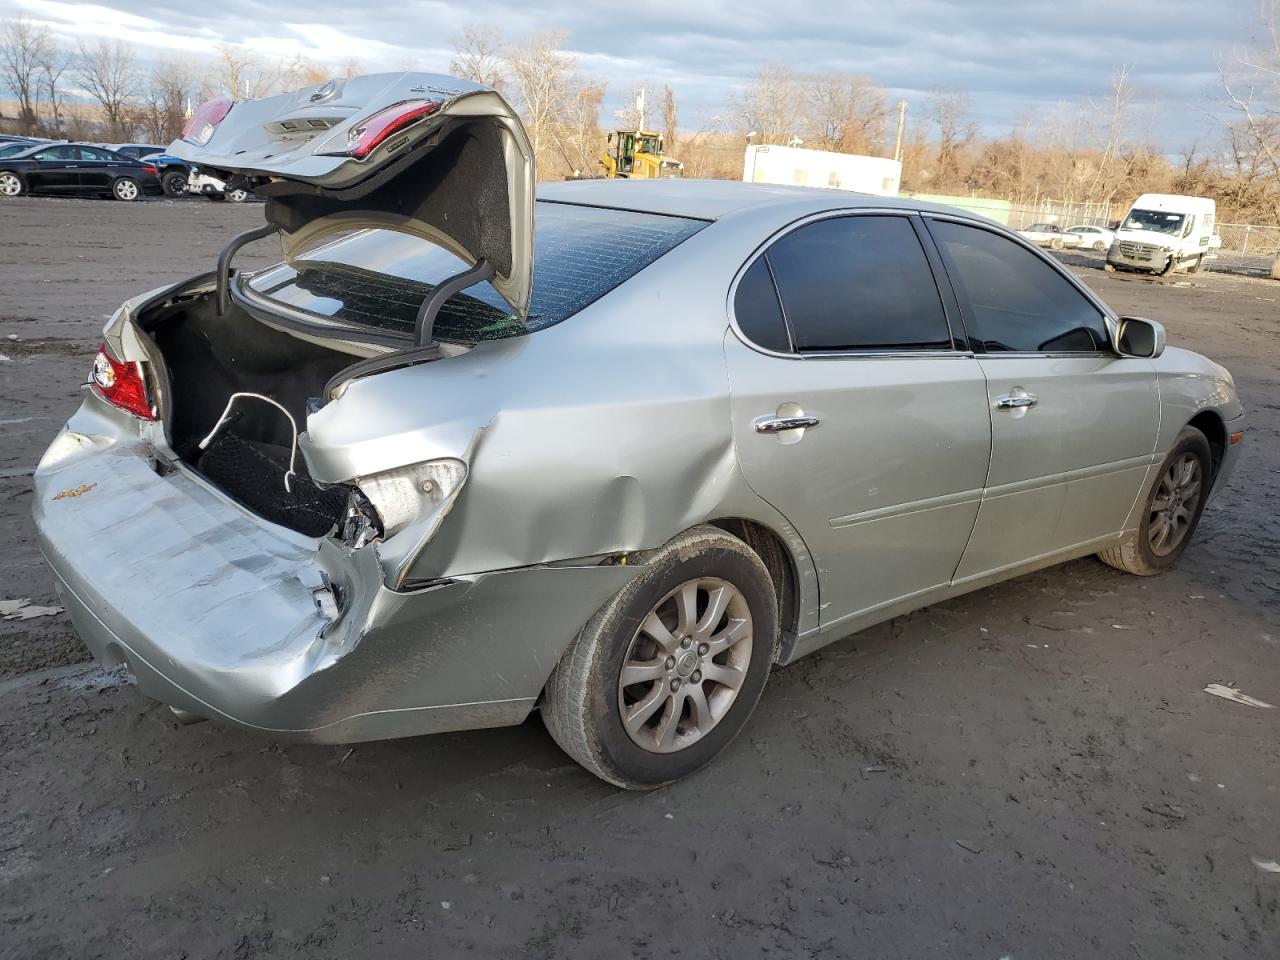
x: 717, y: 199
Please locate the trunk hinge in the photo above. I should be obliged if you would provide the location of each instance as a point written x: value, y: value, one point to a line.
x: 229, y: 251
x: 423, y: 330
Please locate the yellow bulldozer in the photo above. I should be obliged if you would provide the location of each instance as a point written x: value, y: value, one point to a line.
x: 637, y: 154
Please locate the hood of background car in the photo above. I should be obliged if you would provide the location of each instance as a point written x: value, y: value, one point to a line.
x: 431, y: 155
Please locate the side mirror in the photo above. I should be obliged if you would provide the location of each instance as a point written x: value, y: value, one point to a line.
x: 1139, y: 337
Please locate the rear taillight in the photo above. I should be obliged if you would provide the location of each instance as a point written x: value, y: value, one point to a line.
x: 121, y: 384
x: 148, y: 169
x: 365, y: 135
x: 199, y: 129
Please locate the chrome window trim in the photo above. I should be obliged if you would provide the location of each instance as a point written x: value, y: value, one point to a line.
x: 1109, y: 317
x: 832, y: 214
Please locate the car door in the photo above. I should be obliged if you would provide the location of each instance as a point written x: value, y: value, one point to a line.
x: 1073, y: 424
x: 57, y: 169
x: 99, y: 168
x: 854, y: 413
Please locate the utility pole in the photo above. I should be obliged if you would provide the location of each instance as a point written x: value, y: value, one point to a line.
x: 902, y: 123
x: 640, y: 108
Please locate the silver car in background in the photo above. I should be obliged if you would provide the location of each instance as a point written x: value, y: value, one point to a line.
x: 415, y: 478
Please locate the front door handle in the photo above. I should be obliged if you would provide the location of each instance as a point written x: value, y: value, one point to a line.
x: 779, y: 424
x: 1016, y: 399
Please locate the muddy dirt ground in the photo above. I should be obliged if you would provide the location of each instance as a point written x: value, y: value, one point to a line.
x: 1032, y: 771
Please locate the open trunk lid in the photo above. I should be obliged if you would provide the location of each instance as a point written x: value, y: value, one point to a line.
x: 425, y: 154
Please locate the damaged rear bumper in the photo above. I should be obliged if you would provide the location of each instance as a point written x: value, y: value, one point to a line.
x: 223, y: 615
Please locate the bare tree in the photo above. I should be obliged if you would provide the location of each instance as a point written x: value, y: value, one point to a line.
x: 24, y: 47
x: 949, y: 110
x: 56, y: 62
x: 771, y: 109
x: 670, y: 119
x: 580, y: 135
x: 170, y: 86
x: 301, y: 72
x: 1252, y: 85
x: 244, y: 74
x: 630, y: 116
x: 542, y: 76
x: 106, y: 71
x: 848, y: 114
x: 478, y: 56
x: 1111, y: 169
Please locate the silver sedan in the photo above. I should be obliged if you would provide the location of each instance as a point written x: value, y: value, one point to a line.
x: 417, y: 478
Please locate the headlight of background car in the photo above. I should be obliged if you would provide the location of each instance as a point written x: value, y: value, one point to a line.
x: 382, y: 505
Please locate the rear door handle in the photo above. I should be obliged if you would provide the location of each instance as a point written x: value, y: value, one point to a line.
x: 779, y: 424
x: 1016, y: 399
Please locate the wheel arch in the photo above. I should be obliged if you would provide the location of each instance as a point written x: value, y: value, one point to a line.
x: 1211, y: 424
x: 772, y: 549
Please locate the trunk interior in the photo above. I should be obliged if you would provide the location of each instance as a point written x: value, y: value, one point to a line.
x: 211, y: 357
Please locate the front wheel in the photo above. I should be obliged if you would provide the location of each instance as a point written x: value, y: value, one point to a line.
x: 125, y: 189
x: 1171, y: 512
x: 1099, y: 245
x: 665, y: 674
x: 11, y: 184
x: 1055, y: 244
x: 1196, y: 265
x: 237, y: 195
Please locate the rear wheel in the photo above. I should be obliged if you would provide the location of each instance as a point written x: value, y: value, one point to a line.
x: 664, y: 676
x: 1055, y: 244
x: 1172, y: 510
x: 1099, y: 245
x: 174, y: 184
x: 11, y: 184
x: 125, y: 189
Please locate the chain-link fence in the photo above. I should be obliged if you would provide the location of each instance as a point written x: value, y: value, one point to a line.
x: 1064, y: 213
x: 1250, y: 240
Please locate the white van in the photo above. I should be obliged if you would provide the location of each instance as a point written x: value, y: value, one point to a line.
x: 1164, y: 232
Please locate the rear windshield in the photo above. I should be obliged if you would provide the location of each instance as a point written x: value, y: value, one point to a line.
x: 380, y: 278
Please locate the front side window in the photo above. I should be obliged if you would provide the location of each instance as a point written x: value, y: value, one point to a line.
x: 1014, y: 300
x: 380, y: 278
x: 858, y: 283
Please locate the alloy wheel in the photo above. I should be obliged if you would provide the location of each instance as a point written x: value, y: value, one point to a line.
x: 685, y: 665
x: 1174, y: 504
x: 126, y: 190
x: 10, y: 185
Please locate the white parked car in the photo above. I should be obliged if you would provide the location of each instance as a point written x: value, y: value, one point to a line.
x: 1051, y: 235
x: 207, y: 185
x: 1096, y: 238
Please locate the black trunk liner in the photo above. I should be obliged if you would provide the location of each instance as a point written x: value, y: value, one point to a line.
x: 254, y: 472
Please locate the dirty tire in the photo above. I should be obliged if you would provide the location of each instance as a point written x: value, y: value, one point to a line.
x: 1134, y: 554
x: 1197, y: 266
x: 126, y: 188
x: 1055, y: 244
x: 174, y: 184
x: 581, y: 706
x: 1099, y: 245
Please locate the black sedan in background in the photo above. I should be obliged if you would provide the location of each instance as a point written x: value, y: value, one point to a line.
x: 73, y: 168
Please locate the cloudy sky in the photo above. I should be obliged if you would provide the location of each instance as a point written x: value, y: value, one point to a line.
x: 1015, y: 58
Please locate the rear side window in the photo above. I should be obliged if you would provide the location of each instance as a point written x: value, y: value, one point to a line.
x: 380, y: 278
x: 1014, y: 300
x: 858, y: 283
x: 757, y: 310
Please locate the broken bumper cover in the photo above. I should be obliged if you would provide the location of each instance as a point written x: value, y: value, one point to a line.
x: 225, y: 616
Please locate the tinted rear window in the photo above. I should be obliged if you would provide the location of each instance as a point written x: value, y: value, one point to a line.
x: 380, y: 278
